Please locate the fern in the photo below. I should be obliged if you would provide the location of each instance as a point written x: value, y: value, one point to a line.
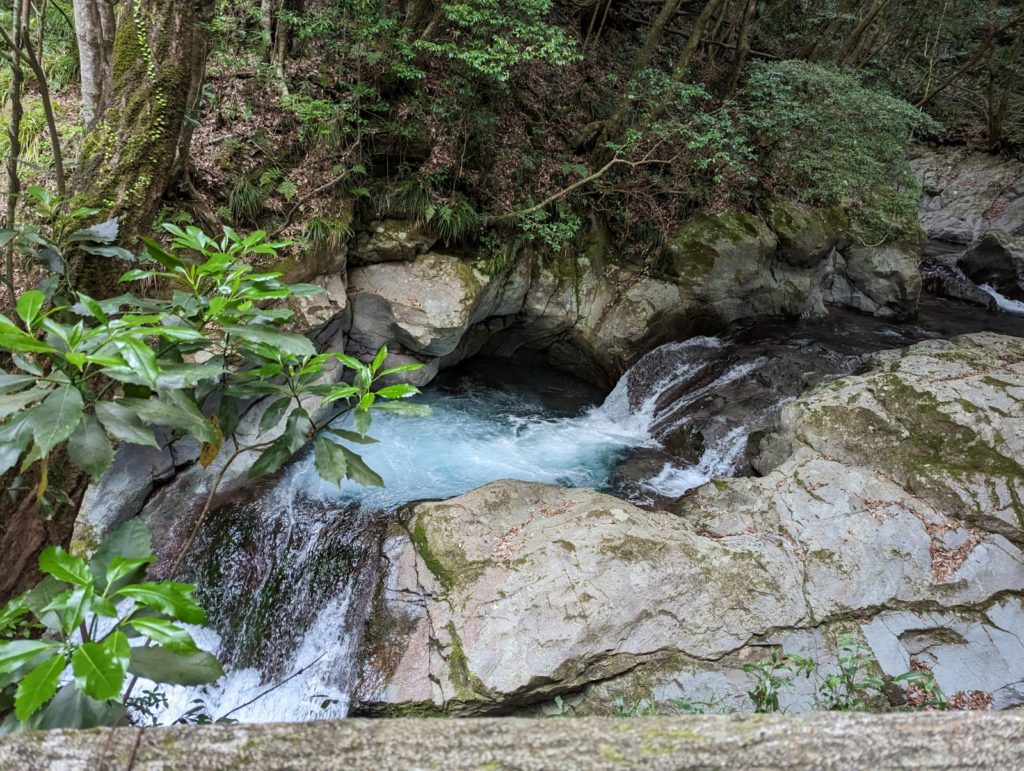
x: 455, y: 221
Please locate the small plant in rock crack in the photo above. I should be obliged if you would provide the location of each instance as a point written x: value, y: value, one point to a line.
x: 639, y: 708
x: 80, y: 665
x: 774, y: 674
x: 854, y: 686
x: 924, y: 691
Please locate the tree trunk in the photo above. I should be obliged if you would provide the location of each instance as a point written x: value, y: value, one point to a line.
x: 814, y: 51
x: 20, y: 12
x: 94, y: 27
x: 742, y: 47
x: 129, y: 156
x: 268, y: 12
x: 997, y: 126
x: 853, y: 39
x: 640, y: 62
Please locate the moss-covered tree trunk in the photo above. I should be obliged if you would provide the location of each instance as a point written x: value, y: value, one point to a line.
x: 129, y: 155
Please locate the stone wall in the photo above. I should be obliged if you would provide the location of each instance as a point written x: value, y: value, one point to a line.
x: 832, y: 740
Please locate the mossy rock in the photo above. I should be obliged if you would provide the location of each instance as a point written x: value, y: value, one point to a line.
x: 806, y: 235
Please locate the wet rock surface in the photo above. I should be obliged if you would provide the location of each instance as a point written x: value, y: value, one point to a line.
x: 890, y: 509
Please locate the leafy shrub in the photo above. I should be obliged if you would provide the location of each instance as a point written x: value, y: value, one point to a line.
x: 823, y: 137
x: 83, y: 371
x: 88, y: 614
x: 490, y: 37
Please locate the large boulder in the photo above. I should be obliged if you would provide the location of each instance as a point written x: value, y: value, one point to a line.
x: 883, y: 280
x: 997, y: 259
x: 426, y: 309
x: 890, y: 510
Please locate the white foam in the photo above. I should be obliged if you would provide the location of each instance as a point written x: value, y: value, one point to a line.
x: 1004, y: 303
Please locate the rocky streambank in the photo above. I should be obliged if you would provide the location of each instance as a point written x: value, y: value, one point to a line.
x: 890, y: 508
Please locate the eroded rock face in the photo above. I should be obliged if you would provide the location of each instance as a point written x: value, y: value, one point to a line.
x: 967, y: 193
x: 891, y: 509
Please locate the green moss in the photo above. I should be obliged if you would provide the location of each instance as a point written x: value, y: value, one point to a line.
x: 468, y: 687
x: 632, y: 549
x: 434, y: 564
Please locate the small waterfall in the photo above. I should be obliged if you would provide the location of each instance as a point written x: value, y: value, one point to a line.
x: 1003, y: 302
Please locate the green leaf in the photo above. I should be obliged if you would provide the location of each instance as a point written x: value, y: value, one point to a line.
x: 329, y: 460
x: 398, y: 391
x: 294, y: 345
x: 140, y: 357
x: 271, y: 459
x: 167, y: 597
x: 93, y: 307
x: 72, y: 708
x: 16, y: 339
x: 124, y: 424
x: 122, y: 568
x: 100, y: 667
x: 165, y: 633
x: 15, y: 653
x: 38, y: 686
x: 378, y: 360
x: 53, y: 421
x: 10, y: 383
x: 64, y: 567
x: 12, y: 403
x: 29, y: 305
x: 14, y: 438
x: 70, y: 608
x: 39, y: 597
x: 131, y: 541
x: 11, y: 612
x: 273, y: 414
x: 89, y: 448
x: 158, y: 254
x: 411, y: 367
x: 361, y: 419
x: 359, y: 472
x: 404, y: 409
x: 340, y: 392
x: 182, y: 415
x: 104, y: 232
x: 165, y: 666
x: 351, y: 436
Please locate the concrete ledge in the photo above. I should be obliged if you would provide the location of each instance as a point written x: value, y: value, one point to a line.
x: 823, y: 740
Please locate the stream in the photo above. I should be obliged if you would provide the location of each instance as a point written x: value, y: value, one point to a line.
x: 287, y: 571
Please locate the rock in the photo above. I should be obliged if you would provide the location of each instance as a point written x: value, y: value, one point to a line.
x: 967, y: 193
x: 882, y: 280
x: 805, y: 235
x: 891, y: 510
x: 924, y: 740
x: 941, y: 277
x: 997, y: 259
x: 391, y: 241
x: 433, y: 309
x: 327, y: 315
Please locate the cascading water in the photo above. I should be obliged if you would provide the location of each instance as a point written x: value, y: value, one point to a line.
x: 287, y: 573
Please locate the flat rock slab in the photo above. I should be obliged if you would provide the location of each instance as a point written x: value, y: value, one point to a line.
x: 822, y: 740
